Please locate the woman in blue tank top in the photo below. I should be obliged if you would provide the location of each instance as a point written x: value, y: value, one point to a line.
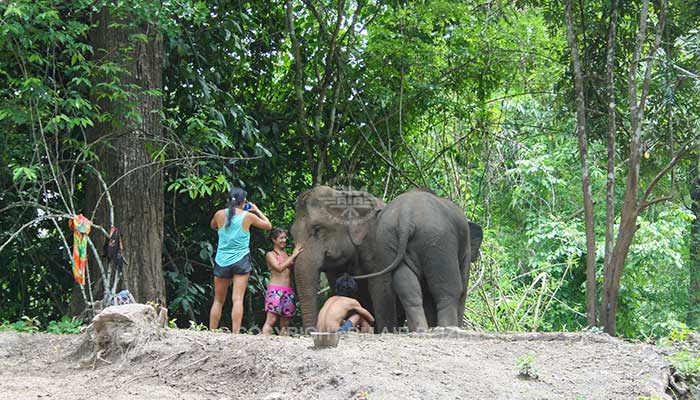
x: 233, y: 254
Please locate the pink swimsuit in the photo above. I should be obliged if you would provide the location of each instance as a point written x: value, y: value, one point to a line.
x: 280, y: 299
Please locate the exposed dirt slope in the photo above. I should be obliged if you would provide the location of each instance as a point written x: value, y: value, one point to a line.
x: 446, y: 365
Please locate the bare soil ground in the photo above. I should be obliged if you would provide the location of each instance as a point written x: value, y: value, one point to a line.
x: 441, y: 365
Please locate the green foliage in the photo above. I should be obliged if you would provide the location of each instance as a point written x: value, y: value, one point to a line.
x: 681, y: 334
x: 47, y: 72
x: 197, y: 327
x: 186, y: 295
x: 205, y: 51
x: 672, y: 332
x: 526, y: 366
x: 26, y: 324
x: 654, y: 291
x: 685, y: 364
x: 66, y: 325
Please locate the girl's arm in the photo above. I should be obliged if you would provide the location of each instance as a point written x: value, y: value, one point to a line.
x: 213, y: 223
x: 272, y: 262
x: 258, y: 219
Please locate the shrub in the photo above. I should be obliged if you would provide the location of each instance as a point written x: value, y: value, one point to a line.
x: 65, y: 326
x: 526, y: 366
x: 686, y: 364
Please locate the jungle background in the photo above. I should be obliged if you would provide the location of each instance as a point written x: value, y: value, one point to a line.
x: 567, y: 130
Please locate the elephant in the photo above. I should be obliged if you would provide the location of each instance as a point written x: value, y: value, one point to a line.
x: 417, y: 249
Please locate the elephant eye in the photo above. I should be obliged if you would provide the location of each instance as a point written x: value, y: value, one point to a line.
x: 315, y: 230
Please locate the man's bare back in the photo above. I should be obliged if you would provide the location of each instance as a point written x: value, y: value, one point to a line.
x: 339, y: 309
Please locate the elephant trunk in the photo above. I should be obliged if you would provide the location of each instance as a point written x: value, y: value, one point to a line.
x: 306, y: 274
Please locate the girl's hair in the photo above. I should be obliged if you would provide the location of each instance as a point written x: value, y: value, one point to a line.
x: 235, y: 199
x: 275, y: 233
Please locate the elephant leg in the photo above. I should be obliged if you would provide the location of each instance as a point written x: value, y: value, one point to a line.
x: 463, y: 299
x: 383, y: 303
x: 363, y: 295
x: 407, y: 287
x: 429, y: 307
x: 400, y: 314
x: 447, y: 290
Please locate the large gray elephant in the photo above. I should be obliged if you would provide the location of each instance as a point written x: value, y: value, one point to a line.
x: 417, y: 248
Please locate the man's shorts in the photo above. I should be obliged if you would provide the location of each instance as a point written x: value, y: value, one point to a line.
x: 240, y: 267
x: 346, y: 326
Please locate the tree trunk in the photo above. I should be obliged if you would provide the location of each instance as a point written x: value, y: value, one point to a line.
x: 299, y: 90
x: 585, y: 175
x: 611, y: 283
x: 135, y: 182
x: 633, y: 205
x: 324, y: 97
x: 612, y: 144
x: 694, y: 288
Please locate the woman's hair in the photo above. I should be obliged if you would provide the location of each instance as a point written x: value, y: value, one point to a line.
x: 275, y: 233
x: 235, y: 199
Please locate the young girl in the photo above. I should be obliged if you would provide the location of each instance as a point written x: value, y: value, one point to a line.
x: 233, y: 254
x: 279, y: 297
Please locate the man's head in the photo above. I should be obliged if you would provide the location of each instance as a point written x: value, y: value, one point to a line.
x: 345, y: 286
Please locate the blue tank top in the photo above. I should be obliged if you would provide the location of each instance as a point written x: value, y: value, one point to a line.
x: 234, y: 242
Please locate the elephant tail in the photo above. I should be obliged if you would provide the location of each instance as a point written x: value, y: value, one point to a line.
x: 403, y: 242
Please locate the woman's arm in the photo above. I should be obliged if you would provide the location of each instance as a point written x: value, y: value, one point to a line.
x: 258, y: 219
x: 213, y: 223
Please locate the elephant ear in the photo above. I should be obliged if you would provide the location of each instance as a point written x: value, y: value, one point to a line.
x: 359, y: 228
x: 358, y: 231
x: 476, y: 235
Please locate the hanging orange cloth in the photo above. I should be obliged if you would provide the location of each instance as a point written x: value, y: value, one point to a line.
x: 81, y: 228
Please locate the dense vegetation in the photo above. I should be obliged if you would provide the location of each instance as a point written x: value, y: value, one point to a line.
x: 490, y: 104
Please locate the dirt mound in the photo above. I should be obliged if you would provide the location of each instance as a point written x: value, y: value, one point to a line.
x: 443, y: 365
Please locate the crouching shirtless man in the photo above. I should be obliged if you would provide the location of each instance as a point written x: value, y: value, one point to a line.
x: 342, y: 313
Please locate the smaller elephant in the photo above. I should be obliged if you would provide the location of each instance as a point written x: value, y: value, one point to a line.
x: 417, y: 248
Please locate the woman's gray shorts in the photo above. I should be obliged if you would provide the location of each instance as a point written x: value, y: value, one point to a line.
x: 240, y: 267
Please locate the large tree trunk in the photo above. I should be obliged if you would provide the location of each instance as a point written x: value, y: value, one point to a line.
x: 694, y: 289
x: 135, y: 182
